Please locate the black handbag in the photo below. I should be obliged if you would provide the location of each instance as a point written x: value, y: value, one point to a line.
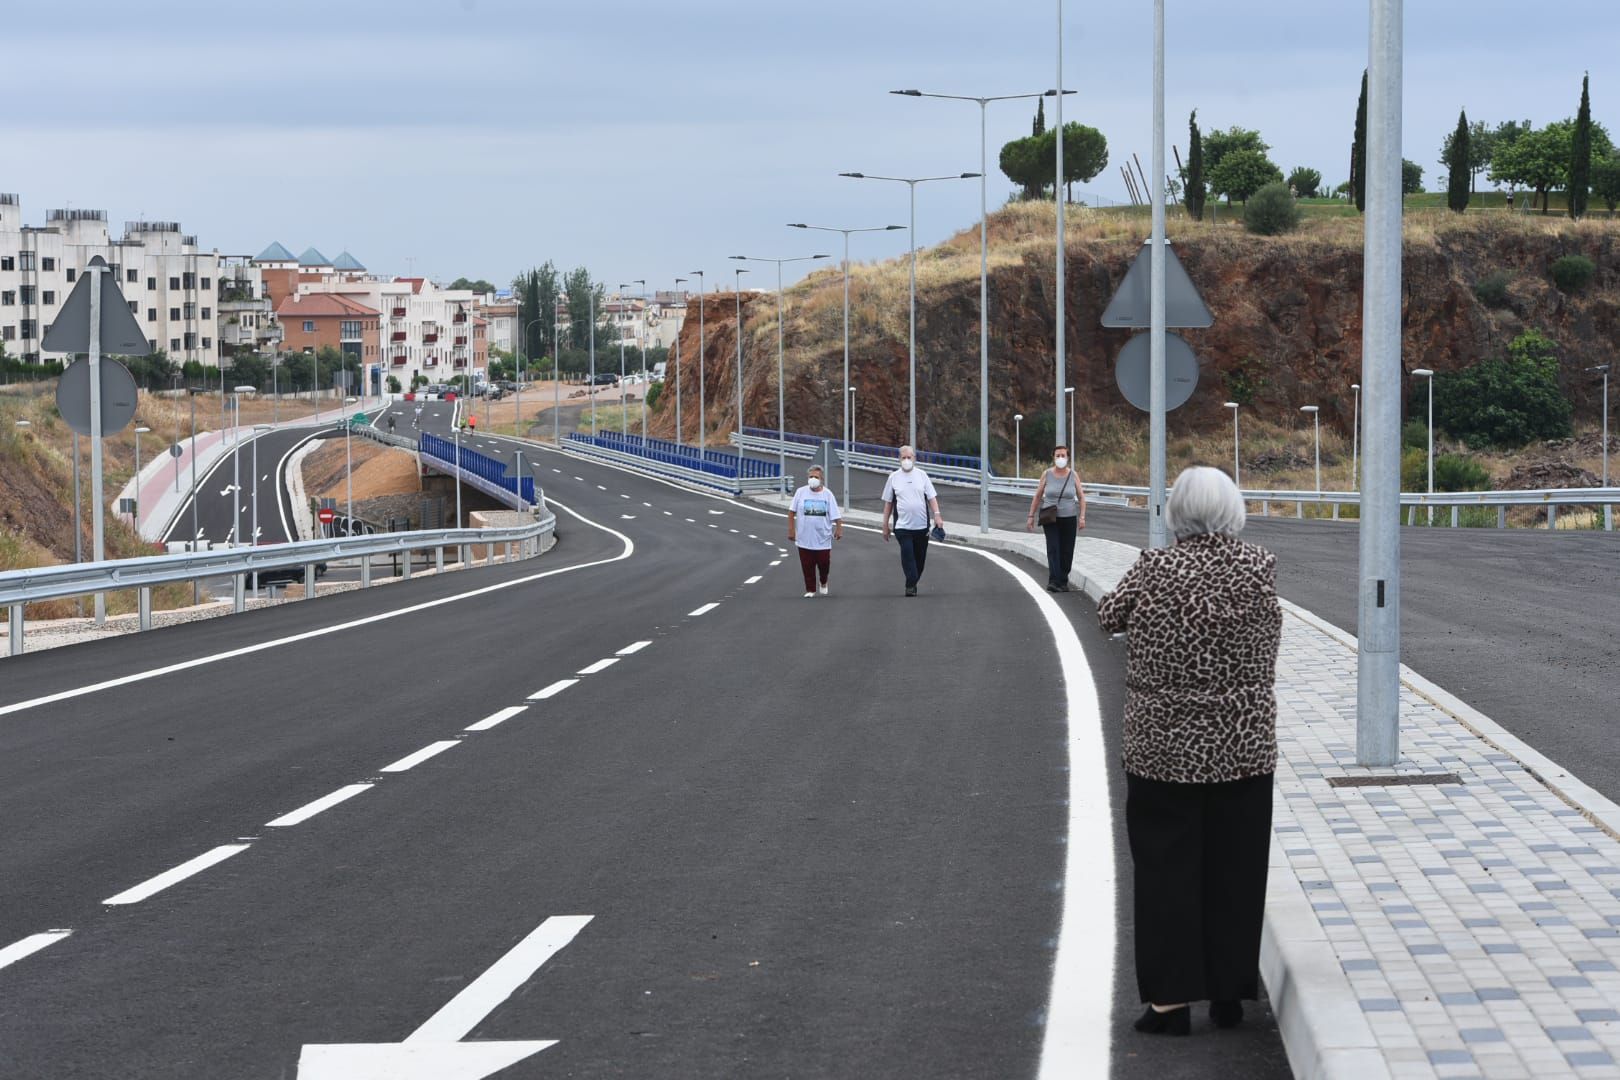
x: 1049, y: 514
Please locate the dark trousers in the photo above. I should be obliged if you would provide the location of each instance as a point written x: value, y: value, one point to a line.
x: 1060, y: 549
x: 913, y: 553
x: 1201, y: 852
x: 810, y: 561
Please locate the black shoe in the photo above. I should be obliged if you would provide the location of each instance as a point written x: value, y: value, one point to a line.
x: 911, y: 590
x: 1051, y: 586
x: 1174, y: 1022
x: 1226, y: 1014
x: 1064, y: 587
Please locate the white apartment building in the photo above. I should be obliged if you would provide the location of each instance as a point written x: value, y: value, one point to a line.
x: 167, y: 282
x: 425, y: 330
x: 653, y: 321
x: 245, y: 312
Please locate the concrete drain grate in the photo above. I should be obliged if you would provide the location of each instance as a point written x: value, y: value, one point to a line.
x: 1395, y: 780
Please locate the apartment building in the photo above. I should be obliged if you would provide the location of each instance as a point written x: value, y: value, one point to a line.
x: 503, y: 329
x: 314, y: 321
x: 168, y: 283
x: 424, y: 330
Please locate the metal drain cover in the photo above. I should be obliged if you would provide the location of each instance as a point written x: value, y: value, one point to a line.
x: 1395, y: 780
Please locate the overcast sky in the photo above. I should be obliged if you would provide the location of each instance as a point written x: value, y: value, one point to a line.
x: 643, y: 140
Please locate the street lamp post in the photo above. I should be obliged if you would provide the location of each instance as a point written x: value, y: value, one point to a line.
x: 258, y: 429
x: 703, y: 357
x: 517, y: 406
x: 849, y: 404
x: 1237, y: 458
x: 1603, y: 369
x: 1068, y: 392
x: 911, y: 183
x: 1018, y: 445
x: 680, y: 432
x: 1355, y: 441
x: 236, y: 464
x: 348, y: 471
x: 848, y: 415
x: 1316, y: 422
x: 624, y: 410
x: 1426, y: 373
x: 556, y: 375
x: 738, y: 272
x: 135, y: 518
x: 781, y: 386
x: 984, y: 286
x: 591, y: 303
x: 641, y: 349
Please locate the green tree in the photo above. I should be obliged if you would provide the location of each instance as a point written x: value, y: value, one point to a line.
x: 1506, y: 401
x: 1411, y: 177
x: 537, y: 298
x: 1241, y: 173
x: 1218, y: 143
x: 1305, y: 182
x: 1194, y: 179
x: 1480, y: 142
x: 1032, y: 163
x: 1358, y: 150
x: 1580, y: 157
x: 1272, y: 211
x: 1606, y: 180
x: 393, y: 384
x: 1085, y: 153
x: 480, y: 286
x: 1020, y: 162
x: 1539, y: 159
x: 1458, y: 164
x: 582, y: 292
x: 1038, y: 128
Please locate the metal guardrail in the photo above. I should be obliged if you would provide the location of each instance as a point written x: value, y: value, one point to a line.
x: 21, y: 587
x: 713, y: 476
x: 480, y: 471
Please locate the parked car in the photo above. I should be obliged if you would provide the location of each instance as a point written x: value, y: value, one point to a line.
x: 605, y: 378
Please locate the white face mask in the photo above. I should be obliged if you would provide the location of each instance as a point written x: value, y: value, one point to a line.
x: 815, y: 483
x: 1060, y: 462
x: 907, y: 464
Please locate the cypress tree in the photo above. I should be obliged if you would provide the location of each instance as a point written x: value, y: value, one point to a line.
x: 1457, y: 180
x: 1194, y: 193
x: 1580, y: 162
x: 1039, y: 127
x: 1358, y: 150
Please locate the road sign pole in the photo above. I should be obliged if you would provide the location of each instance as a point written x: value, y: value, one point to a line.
x: 97, y: 524
x: 1156, y: 307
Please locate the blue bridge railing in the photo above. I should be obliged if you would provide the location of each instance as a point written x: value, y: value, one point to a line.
x: 714, y: 462
x: 491, y: 470
x: 925, y: 457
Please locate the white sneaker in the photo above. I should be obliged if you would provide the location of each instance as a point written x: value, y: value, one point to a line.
x: 824, y: 590
x: 808, y: 595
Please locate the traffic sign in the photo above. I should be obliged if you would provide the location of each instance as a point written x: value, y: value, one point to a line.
x: 175, y: 450
x: 1183, y: 306
x: 117, y: 396
x: 326, y: 515
x: 1132, y: 372
x: 120, y: 333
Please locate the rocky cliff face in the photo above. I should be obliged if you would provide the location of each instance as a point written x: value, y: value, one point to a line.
x: 1287, y: 312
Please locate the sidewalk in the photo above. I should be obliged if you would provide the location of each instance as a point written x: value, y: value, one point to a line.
x: 1467, y: 929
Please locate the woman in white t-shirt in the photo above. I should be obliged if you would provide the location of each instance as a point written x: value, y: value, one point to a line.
x: 814, y: 522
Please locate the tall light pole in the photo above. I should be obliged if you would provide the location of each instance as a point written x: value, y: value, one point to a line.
x: 738, y: 273
x: 258, y: 429
x: 591, y: 304
x: 517, y: 407
x: 703, y: 358
x: 624, y: 410
x: 984, y: 285
x: 456, y: 428
x: 849, y: 405
x: 1315, y: 411
x: 348, y: 470
x: 1237, y: 457
x: 1355, y: 440
x: 680, y: 432
x: 848, y: 415
x: 1018, y: 445
x: 556, y: 374
x: 1603, y: 369
x: 1060, y: 285
x: 1157, y: 435
x: 781, y: 385
x: 135, y: 518
x: 911, y: 183
x: 1068, y: 392
x: 1425, y: 373
x: 641, y: 349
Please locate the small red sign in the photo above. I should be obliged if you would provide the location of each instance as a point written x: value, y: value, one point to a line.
x: 326, y: 515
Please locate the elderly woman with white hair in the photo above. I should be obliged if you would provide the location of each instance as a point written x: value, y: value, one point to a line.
x: 1200, y: 751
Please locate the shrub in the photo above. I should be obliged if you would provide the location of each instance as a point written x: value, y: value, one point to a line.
x: 1457, y: 472
x: 393, y: 384
x: 1415, y: 434
x: 655, y: 394
x: 1506, y: 401
x: 1271, y: 211
x: 1572, y: 273
x: 1492, y: 289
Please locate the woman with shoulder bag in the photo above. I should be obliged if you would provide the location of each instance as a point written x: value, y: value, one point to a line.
x: 1059, y: 507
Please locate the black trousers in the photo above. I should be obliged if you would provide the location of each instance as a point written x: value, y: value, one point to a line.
x: 1060, y: 549
x: 913, y: 553
x: 1201, y: 852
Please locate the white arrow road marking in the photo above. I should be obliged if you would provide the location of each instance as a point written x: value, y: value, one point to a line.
x: 411, y: 761
x: 153, y: 886
x: 30, y: 945
x: 227, y: 489
x: 497, y: 718
x: 309, y: 810
x: 434, y: 1050
x: 600, y: 665
x: 635, y: 647
x: 704, y: 610
x: 553, y: 690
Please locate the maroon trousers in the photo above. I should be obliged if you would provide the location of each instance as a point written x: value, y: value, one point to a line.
x: 811, y: 561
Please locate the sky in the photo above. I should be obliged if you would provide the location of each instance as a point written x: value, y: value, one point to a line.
x: 645, y: 140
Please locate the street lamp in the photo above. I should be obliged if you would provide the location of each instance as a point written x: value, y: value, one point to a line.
x: 236, y: 464
x: 984, y: 287
x: 703, y: 356
x: 591, y: 305
x: 1068, y: 392
x: 1608, y: 508
x: 1018, y: 445
x: 517, y: 405
x: 624, y: 419
x: 1355, y: 441
x: 911, y: 183
x: 848, y: 414
x: 258, y: 430
x: 738, y: 272
x: 135, y: 518
x: 1237, y: 466
x: 680, y: 432
x: 849, y: 403
x: 781, y: 386
x: 348, y: 471
x: 1316, y: 422
x: 556, y: 374
x: 1428, y: 374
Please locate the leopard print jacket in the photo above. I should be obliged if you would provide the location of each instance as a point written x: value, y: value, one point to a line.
x: 1204, y: 626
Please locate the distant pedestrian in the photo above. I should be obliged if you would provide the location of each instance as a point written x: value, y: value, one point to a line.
x: 1059, y: 507
x: 814, y: 523
x: 910, y: 499
x: 1200, y: 752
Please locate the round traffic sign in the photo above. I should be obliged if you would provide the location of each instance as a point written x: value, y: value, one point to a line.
x: 117, y: 396
x: 1131, y: 372
x: 326, y: 515
x: 175, y: 450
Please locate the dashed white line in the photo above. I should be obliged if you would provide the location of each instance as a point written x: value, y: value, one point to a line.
x: 633, y: 648
x: 668, y: 514
x: 553, y: 690
x: 704, y: 610
x: 691, y: 521
x: 601, y: 487
x: 733, y: 530
x: 628, y: 517
x: 411, y: 761
x: 648, y: 505
x: 581, y: 479
x: 309, y: 810
x: 622, y: 495
x: 751, y: 536
x: 28, y: 946
x: 600, y: 665
x: 496, y: 718
x: 754, y: 580
x: 778, y: 562
x: 153, y: 886
x: 713, y: 526
x: 557, y: 471
x: 716, y: 511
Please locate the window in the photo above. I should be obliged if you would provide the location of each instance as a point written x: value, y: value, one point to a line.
x: 27, y: 295
x: 132, y: 276
x: 27, y: 330
x: 49, y: 296
x: 174, y: 283
x: 7, y: 262
x: 47, y: 264
x: 151, y: 344
x: 134, y: 308
x: 151, y: 283
x: 190, y: 311
x: 207, y: 283
x: 309, y: 326
x: 151, y: 314
x: 25, y: 260
x: 191, y: 341
x: 207, y: 313
x: 8, y: 298
x: 349, y: 330
x: 188, y: 280
x: 8, y: 333
x: 71, y: 274
x: 174, y: 344
x: 208, y: 343
x: 174, y: 314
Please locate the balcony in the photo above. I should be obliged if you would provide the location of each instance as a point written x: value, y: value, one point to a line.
x: 430, y: 337
x: 399, y: 313
x: 461, y: 362
x: 398, y: 336
x: 399, y: 360
x: 461, y: 343
x: 431, y: 361
x: 460, y: 317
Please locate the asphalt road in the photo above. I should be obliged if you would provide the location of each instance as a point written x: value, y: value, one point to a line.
x: 815, y: 838
x: 217, y: 503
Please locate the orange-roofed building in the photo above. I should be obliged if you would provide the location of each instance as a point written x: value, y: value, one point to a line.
x: 313, y: 321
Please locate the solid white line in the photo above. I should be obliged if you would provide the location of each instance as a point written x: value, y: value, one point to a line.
x: 632, y: 649
x: 553, y: 690
x: 309, y: 810
x: 704, y: 610
x: 479, y: 998
x: 247, y: 650
x: 411, y: 761
x: 28, y: 946
x: 153, y: 886
x: 496, y: 718
x: 753, y: 580
x: 600, y: 665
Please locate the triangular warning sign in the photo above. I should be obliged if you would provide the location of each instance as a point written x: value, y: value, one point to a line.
x: 1183, y: 307
x: 120, y: 332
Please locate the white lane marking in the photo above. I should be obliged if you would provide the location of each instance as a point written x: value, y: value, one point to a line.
x: 668, y: 514
x: 691, y: 521
x: 309, y: 810
x: 716, y: 511
x: 479, y: 998
x: 704, y: 610
x: 557, y: 471
x: 581, y: 479
x: 648, y: 505
x: 754, y: 580
x: 601, y: 487
x: 628, y: 517
x: 553, y: 690
x: 751, y: 536
x: 247, y: 650
x: 733, y: 530
x: 622, y: 495
x: 778, y: 562
x: 496, y: 718
x: 28, y: 946
x: 633, y: 648
x: 600, y: 665
x: 153, y: 886
x: 411, y: 761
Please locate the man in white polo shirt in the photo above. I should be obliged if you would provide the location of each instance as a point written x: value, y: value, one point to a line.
x: 909, y: 497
